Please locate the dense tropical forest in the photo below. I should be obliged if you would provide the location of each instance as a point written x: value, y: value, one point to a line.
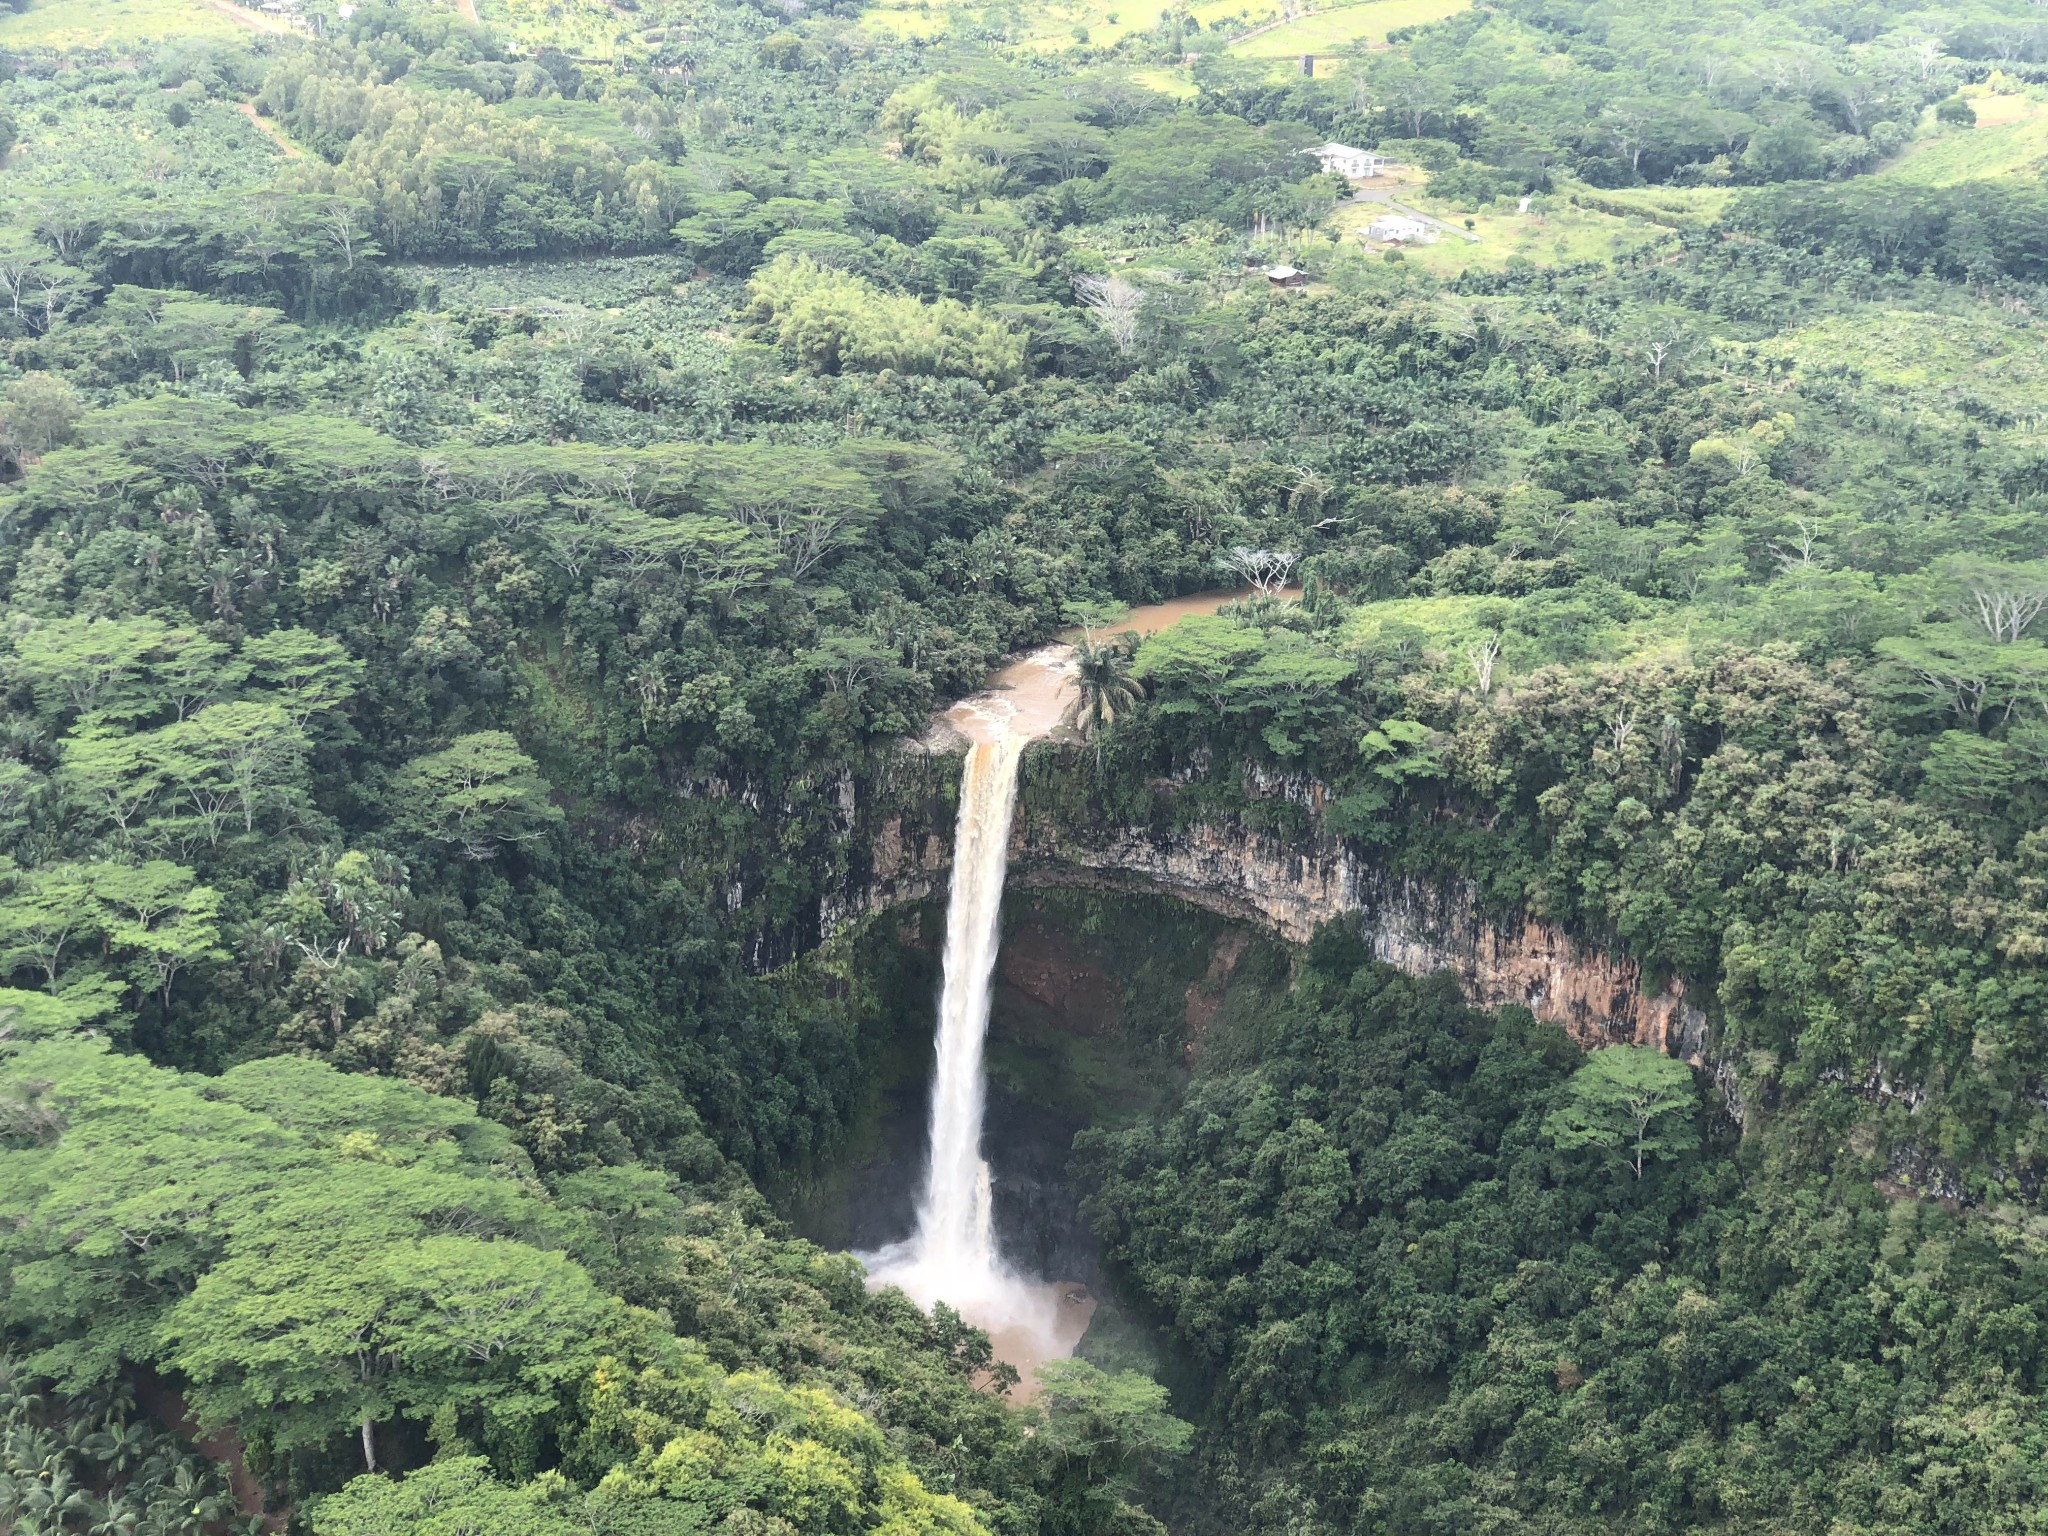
x: 489, y: 488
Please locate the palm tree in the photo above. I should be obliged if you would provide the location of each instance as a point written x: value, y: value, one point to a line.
x: 50, y: 1505
x: 1103, y: 685
x: 120, y: 1447
x: 119, y: 1515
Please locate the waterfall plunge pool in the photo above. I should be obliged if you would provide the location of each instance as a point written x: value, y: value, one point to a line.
x: 1100, y: 1004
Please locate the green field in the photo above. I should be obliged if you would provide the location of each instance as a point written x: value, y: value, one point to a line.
x: 1167, y: 82
x: 1978, y: 367
x: 1105, y: 22
x: 587, y: 29
x: 2010, y: 139
x: 1333, y: 31
x: 920, y: 18
x: 1044, y: 26
x: 1554, y: 232
x: 1326, y: 30
x: 99, y: 23
x: 1666, y: 205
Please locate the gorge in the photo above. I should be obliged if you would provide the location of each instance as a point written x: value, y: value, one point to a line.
x: 954, y: 1255
x: 1286, y: 883
x: 1287, y: 886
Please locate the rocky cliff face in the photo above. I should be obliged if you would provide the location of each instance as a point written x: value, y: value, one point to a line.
x: 1292, y: 886
x: 1421, y: 927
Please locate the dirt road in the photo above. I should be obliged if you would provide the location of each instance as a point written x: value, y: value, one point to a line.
x: 269, y: 130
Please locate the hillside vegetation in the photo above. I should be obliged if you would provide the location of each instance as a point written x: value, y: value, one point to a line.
x: 484, y: 497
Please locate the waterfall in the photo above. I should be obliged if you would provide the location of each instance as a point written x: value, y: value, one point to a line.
x: 955, y: 1225
x: 953, y: 1255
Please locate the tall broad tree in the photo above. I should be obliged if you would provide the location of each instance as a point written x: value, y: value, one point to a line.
x: 1198, y: 657
x: 1102, y: 1432
x: 343, y: 1302
x: 247, y: 756
x: 480, y: 795
x: 314, y: 1252
x: 1630, y: 1101
x: 305, y: 674
x: 91, y: 667
x: 49, y: 912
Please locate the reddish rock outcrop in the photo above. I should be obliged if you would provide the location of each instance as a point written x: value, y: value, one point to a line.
x: 1077, y: 995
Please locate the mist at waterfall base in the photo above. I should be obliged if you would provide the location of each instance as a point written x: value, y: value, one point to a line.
x: 953, y: 1256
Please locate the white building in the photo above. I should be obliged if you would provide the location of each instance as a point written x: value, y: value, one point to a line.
x: 1399, y: 229
x: 1358, y: 164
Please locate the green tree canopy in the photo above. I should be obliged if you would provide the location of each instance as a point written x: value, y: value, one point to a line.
x: 479, y: 795
x: 1630, y: 1101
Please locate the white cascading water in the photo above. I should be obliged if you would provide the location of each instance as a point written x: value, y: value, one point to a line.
x: 953, y: 1256
x: 955, y: 1222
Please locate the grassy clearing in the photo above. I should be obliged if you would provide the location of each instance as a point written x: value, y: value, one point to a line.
x: 1209, y: 12
x: 587, y: 29
x: 1994, y: 107
x: 69, y: 24
x: 2010, y: 139
x: 1047, y: 25
x: 1333, y: 31
x: 1670, y: 205
x: 1100, y: 22
x: 1166, y: 82
x: 1978, y: 367
x: 1552, y: 233
x: 1053, y: 24
x: 907, y: 18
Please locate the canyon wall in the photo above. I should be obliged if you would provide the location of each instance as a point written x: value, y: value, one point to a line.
x: 1415, y: 925
x: 1292, y: 886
